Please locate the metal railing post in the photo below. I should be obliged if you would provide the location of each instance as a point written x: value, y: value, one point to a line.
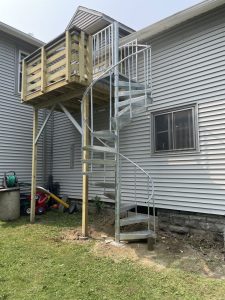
x: 116, y: 96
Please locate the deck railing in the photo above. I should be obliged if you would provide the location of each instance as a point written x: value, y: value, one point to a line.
x: 68, y: 58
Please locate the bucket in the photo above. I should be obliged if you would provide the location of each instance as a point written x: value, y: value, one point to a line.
x: 9, y: 204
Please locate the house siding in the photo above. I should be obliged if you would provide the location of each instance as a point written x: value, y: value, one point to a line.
x: 65, y: 135
x: 188, y: 68
x: 15, y: 118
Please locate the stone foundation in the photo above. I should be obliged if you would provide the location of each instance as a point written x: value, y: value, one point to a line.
x: 190, y: 222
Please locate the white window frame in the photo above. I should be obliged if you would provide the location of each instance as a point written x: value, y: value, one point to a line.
x: 18, y: 66
x: 195, y: 147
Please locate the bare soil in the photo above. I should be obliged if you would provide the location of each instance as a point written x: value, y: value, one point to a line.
x: 190, y: 253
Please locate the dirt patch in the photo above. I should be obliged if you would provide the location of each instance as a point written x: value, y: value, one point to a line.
x: 185, y: 252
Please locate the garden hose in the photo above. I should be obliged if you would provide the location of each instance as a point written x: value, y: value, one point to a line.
x: 10, y: 180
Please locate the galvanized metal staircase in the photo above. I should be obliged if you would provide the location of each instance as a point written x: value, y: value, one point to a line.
x: 128, y: 98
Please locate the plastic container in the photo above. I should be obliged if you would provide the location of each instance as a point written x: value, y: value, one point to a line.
x: 9, y: 204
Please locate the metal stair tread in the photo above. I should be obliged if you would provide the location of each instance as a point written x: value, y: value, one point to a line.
x: 133, y: 92
x: 100, y: 149
x: 127, y: 206
x: 139, y: 218
x: 135, y: 100
x: 110, y: 195
x: 107, y: 162
x: 123, y: 83
x: 136, y: 235
x: 122, y: 121
x: 104, y: 134
x: 110, y: 185
x: 99, y: 173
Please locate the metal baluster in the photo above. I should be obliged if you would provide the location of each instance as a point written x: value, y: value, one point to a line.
x: 132, y: 51
x: 153, y: 206
x: 105, y: 49
x: 104, y: 170
x: 98, y: 50
x: 125, y: 62
x: 93, y: 53
x: 109, y: 46
x: 129, y: 75
x: 145, y: 78
x: 148, y: 185
x: 92, y: 127
x: 135, y: 187
x: 136, y: 62
x: 150, y: 53
x: 117, y: 146
x: 110, y: 101
x: 112, y: 48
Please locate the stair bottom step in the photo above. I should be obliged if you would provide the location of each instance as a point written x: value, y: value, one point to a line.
x: 135, y: 219
x: 137, y: 235
x: 127, y: 206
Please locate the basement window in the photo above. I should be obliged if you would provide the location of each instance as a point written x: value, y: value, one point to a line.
x: 174, y: 130
x: 22, y: 55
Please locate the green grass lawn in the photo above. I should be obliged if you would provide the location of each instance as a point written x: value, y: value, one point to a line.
x: 36, y: 264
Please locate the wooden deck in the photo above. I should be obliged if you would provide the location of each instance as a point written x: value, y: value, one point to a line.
x: 60, y: 71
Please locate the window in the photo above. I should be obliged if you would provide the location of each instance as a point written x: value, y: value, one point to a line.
x: 174, y: 130
x: 22, y: 55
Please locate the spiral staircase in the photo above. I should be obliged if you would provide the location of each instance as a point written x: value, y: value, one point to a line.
x: 129, y: 95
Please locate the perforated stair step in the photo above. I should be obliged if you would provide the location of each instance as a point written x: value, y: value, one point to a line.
x: 135, y: 219
x: 104, y: 135
x: 100, y: 173
x: 125, y: 207
x: 108, y: 185
x: 100, y: 149
x: 106, y: 162
x: 132, y: 84
x: 110, y: 195
x: 133, y: 92
x: 136, y: 235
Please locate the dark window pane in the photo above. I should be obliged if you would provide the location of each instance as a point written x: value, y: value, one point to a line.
x: 161, y: 122
x: 162, y: 132
x: 162, y: 141
x: 183, y: 129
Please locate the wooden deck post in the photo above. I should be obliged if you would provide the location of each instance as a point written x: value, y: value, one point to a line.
x: 68, y: 56
x: 24, y: 81
x: 81, y: 56
x: 85, y: 112
x: 34, y: 165
x: 43, y: 69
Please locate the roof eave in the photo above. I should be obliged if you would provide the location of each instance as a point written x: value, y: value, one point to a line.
x: 172, y: 21
x: 20, y: 35
x: 101, y: 15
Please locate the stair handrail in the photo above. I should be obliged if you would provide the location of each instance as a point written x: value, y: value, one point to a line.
x: 145, y: 47
x: 131, y: 161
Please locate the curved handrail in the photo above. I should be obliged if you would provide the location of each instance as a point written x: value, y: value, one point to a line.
x: 145, y: 47
x: 113, y: 67
x: 128, y: 159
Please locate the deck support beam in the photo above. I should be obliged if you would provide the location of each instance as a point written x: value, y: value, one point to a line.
x: 85, y: 118
x: 44, y: 124
x: 34, y: 166
x: 71, y: 118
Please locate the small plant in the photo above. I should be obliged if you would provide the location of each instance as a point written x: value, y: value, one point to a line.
x: 98, y: 204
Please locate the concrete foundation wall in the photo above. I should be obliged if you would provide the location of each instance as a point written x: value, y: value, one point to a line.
x: 189, y: 222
